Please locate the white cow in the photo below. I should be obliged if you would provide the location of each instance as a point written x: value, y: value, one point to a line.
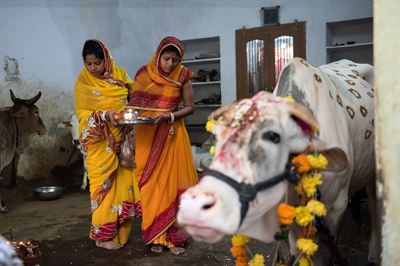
x: 255, y: 137
x: 73, y: 125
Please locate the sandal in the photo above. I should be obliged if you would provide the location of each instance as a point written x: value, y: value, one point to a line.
x: 157, y: 248
x: 177, y: 250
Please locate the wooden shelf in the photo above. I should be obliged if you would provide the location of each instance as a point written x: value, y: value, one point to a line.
x: 206, y: 60
x: 196, y: 127
x: 349, y: 46
x: 354, y: 30
x: 206, y: 83
x: 208, y: 49
x: 207, y: 105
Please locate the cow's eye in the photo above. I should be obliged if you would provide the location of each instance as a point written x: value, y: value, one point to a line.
x: 271, y: 136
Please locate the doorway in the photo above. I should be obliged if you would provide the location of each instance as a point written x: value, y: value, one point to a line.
x: 262, y: 52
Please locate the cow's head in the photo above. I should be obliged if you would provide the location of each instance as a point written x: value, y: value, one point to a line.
x: 26, y: 115
x: 254, y: 139
x: 73, y: 125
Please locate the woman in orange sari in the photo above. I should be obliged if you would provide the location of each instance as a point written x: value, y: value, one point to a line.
x: 103, y: 86
x: 164, y: 160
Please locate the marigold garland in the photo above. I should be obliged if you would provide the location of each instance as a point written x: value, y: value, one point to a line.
x: 308, y: 184
x: 212, y: 150
x: 317, y: 161
x: 301, y: 163
x: 210, y: 125
x: 303, y: 216
x: 239, y: 250
x: 258, y: 260
x: 308, y: 167
x: 286, y: 213
x: 305, y: 261
x: 316, y: 207
x: 306, y: 246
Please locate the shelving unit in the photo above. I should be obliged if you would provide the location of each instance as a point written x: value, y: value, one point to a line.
x: 204, y: 54
x: 340, y: 33
x: 201, y: 61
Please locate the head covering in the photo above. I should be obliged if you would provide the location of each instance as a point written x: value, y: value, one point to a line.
x: 155, y: 90
x: 166, y: 42
x: 108, y: 59
x: 175, y: 77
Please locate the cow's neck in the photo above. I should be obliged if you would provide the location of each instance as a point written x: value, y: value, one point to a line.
x: 10, y: 136
x: 264, y: 228
x: 17, y: 136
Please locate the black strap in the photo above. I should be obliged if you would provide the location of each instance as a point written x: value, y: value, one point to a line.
x: 247, y: 192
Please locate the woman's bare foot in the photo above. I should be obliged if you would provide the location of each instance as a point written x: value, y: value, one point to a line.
x: 177, y: 250
x: 108, y: 245
x: 157, y: 248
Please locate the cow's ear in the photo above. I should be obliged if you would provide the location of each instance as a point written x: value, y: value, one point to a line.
x: 337, y: 159
x: 64, y: 124
x: 303, y: 117
x: 221, y: 111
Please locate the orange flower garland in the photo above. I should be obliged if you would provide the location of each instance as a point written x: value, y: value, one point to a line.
x: 239, y: 250
x: 286, y: 213
x: 308, y: 167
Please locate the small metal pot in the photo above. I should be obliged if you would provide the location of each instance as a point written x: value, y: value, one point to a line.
x: 49, y: 192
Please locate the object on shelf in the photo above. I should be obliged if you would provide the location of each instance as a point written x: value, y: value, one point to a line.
x: 213, y: 99
x: 206, y: 75
x: 351, y: 42
x: 206, y: 56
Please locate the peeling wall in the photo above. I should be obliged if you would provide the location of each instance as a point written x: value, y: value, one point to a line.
x: 46, y: 37
x: 387, y: 83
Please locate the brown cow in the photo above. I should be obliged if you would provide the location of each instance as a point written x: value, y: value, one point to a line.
x: 18, y: 124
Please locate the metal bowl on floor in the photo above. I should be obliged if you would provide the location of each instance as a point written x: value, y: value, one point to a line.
x: 49, y: 192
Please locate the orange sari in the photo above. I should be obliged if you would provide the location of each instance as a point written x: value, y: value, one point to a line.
x: 164, y: 160
x: 113, y: 190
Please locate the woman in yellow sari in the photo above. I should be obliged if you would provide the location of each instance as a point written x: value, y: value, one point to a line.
x: 164, y: 163
x: 101, y: 87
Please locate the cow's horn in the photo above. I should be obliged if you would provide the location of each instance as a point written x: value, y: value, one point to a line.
x: 34, y: 99
x: 13, y: 98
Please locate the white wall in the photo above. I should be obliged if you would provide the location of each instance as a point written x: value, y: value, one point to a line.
x: 387, y: 115
x: 46, y: 38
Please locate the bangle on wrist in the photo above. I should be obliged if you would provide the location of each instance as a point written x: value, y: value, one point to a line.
x: 103, y: 116
x: 172, y: 117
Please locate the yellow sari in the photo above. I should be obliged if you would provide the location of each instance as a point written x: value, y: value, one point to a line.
x: 164, y: 160
x: 113, y: 190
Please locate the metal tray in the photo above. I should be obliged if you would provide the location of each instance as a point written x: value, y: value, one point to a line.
x: 136, y: 121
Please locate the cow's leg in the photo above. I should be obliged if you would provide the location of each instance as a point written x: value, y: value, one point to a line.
x: 3, y: 208
x: 14, y: 167
x: 374, y: 245
x: 84, y: 181
x: 85, y: 174
x: 333, y: 221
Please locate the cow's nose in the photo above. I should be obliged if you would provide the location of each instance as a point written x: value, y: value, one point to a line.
x: 76, y: 142
x: 195, y: 206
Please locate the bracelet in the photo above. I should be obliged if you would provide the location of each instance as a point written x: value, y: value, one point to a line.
x: 103, y: 116
x: 172, y: 119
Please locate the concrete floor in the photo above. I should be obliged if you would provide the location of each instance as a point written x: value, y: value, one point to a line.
x: 61, y: 228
